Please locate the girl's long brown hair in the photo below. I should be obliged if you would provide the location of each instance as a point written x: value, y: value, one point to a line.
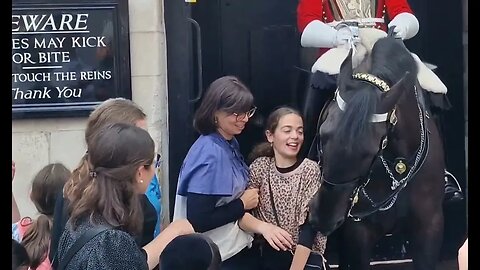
x: 47, y: 183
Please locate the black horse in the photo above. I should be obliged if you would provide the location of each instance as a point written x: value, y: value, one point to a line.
x: 382, y: 160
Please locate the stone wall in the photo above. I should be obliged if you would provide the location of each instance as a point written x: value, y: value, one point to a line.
x: 37, y: 142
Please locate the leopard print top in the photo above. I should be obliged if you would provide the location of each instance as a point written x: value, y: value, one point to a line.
x: 291, y: 193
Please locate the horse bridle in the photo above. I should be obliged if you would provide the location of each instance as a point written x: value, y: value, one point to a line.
x: 421, y: 153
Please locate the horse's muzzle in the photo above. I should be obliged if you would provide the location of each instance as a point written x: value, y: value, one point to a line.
x: 323, y: 227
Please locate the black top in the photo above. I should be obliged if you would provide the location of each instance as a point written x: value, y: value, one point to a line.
x: 60, y: 218
x: 204, y: 215
x: 111, y: 249
x: 291, y: 168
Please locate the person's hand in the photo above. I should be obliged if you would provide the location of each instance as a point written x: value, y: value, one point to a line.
x: 344, y: 36
x: 277, y: 237
x: 250, y: 198
x: 406, y: 25
x: 463, y: 256
x: 13, y: 169
x: 181, y: 227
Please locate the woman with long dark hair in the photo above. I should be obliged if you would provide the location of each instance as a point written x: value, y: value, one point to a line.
x: 120, y: 164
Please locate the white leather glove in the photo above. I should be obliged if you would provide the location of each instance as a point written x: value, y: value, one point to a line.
x: 345, y: 36
x: 406, y: 25
x: 318, y: 34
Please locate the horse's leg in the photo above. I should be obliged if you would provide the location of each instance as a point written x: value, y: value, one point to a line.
x: 342, y: 247
x: 358, y: 240
x: 427, y: 235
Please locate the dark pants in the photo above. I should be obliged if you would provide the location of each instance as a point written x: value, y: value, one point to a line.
x: 247, y: 259
x: 275, y: 260
x: 281, y: 260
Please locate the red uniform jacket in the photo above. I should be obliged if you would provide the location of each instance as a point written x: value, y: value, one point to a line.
x: 309, y: 10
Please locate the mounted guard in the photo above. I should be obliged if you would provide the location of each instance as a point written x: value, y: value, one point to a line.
x: 336, y: 26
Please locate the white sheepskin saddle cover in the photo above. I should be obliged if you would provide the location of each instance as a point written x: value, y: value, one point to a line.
x: 331, y: 60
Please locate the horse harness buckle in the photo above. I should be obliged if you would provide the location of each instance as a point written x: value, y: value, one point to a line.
x: 393, y: 117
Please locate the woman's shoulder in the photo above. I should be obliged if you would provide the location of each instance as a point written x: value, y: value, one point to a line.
x: 207, y: 144
x: 261, y: 162
x: 311, y: 163
x: 114, y: 236
x: 311, y: 166
x: 109, y: 240
x: 111, y: 249
x: 105, y: 233
x: 120, y: 245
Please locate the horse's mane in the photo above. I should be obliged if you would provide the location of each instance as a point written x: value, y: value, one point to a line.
x: 389, y: 60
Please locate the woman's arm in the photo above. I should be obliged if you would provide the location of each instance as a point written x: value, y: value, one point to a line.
x: 300, y: 258
x: 204, y: 215
x: 463, y: 256
x: 277, y: 237
x: 155, y: 248
x: 306, y: 236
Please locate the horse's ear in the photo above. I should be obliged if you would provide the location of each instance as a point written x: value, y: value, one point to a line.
x: 346, y: 71
x: 391, y: 31
x: 390, y: 98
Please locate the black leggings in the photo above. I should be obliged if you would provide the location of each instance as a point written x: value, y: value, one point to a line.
x: 321, y: 88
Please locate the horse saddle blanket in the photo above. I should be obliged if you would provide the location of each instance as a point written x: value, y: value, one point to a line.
x: 330, y: 61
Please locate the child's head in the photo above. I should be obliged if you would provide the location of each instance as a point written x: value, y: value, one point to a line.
x: 177, y: 254
x: 47, y: 183
x: 284, y: 133
x: 20, y: 260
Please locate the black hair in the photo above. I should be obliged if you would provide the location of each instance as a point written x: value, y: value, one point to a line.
x: 176, y: 255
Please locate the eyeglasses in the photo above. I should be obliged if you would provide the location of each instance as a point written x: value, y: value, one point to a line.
x: 249, y: 114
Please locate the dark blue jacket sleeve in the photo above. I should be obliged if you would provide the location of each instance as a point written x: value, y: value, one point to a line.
x: 204, y: 215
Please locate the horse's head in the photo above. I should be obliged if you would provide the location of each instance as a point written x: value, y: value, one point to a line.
x: 357, y: 123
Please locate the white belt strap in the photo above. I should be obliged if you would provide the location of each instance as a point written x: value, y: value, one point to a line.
x: 361, y: 21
